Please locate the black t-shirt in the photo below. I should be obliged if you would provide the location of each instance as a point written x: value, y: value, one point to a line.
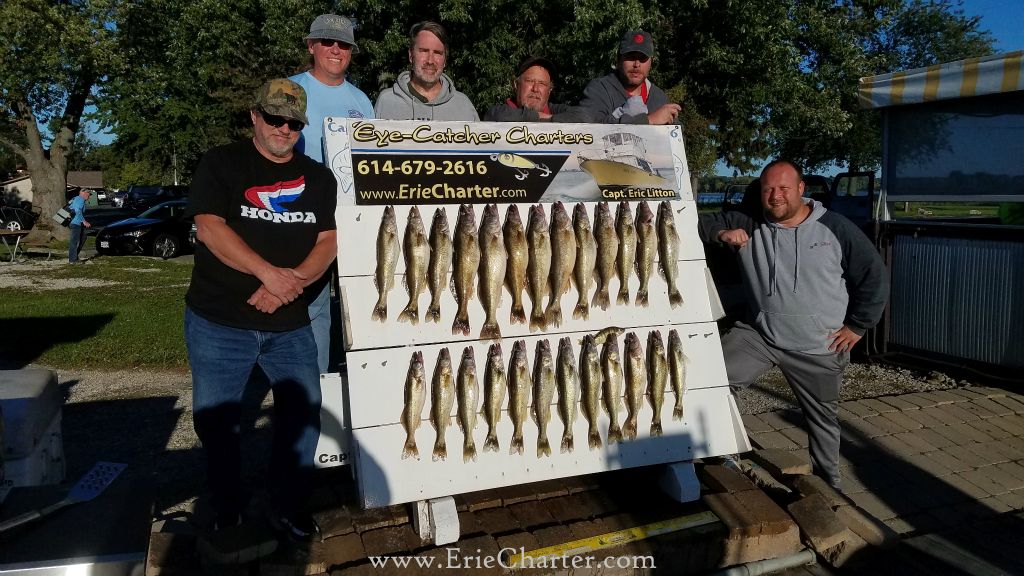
x: 277, y: 209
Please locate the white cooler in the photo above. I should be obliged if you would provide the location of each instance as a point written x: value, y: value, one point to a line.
x: 32, y: 444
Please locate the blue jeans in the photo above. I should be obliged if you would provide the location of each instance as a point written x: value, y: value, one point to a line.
x: 222, y: 359
x: 77, y: 241
x: 320, y: 322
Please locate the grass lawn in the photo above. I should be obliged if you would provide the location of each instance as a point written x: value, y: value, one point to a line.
x: 113, y: 312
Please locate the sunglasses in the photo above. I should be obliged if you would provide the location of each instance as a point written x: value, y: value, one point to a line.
x: 278, y: 121
x: 328, y: 42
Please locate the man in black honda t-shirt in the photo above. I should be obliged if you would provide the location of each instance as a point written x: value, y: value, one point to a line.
x: 265, y: 221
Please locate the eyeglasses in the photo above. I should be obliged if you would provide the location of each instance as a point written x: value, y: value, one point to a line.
x: 328, y: 42
x: 278, y: 121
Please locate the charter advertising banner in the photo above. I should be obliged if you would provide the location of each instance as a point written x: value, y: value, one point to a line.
x: 391, y: 162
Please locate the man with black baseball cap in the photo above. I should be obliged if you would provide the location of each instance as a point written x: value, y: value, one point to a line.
x: 626, y: 96
x: 264, y: 216
x: 532, y: 87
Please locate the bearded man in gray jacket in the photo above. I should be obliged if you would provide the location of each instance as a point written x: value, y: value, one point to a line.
x: 814, y: 285
x: 425, y: 92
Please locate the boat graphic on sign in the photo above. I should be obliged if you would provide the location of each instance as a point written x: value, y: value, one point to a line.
x: 622, y: 162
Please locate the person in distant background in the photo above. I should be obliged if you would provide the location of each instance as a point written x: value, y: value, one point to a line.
x: 425, y: 92
x: 78, y: 225
x: 535, y: 80
x: 331, y: 43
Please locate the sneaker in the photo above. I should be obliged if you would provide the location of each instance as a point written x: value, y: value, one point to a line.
x: 298, y: 527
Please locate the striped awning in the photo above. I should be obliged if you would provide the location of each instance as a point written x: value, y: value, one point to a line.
x: 971, y: 77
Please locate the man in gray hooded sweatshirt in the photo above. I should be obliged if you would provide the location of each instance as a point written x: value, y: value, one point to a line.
x: 814, y: 285
x: 425, y: 92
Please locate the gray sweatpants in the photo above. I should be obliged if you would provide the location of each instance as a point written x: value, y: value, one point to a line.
x: 814, y: 378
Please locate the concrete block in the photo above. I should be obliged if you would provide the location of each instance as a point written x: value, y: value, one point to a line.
x: 474, y: 554
x: 966, y: 487
x: 860, y: 429
x: 968, y: 455
x: 932, y: 437
x: 782, y: 419
x: 894, y: 446
x: 977, y: 409
x: 818, y: 522
x: 781, y: 462
x: 335, y: 521
x: 1012, y: 424
x: 899, y: 403
x: 719, y: 478
x: 732, y: 514
x: 391, y: 540
x: 809, y: 484
x: 519, y: 541
x: 797, y: 435
x: 923, y: 417
x: 873, y: 505
x: 957, y: 414
x: 994, y: 407
x: 982, y: 477
x: 587, y: 529
x: 886, y: 424
x: 375, y: 518
x: 532, y: 514
x: 740, y: 550
x: 849, y: 552
x: 754, y: 423
x: 770, y: 517
x: 872, y: 530
x: 1012, y: 403
x: 878, y: 405
x: 990, y: 429
x: 495, y: 521
x: 344, y: 549
x: 916, y: 441
x: 859, y: 408
x: 679, y: 481
x: 483, y: 499
x: 948, y: 460
x: 773, y: 440
x: 552, y: 535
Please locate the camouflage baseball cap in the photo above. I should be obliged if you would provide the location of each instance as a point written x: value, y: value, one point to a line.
x: 282, y: 97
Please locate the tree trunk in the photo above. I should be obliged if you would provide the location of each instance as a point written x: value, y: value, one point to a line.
x: 49, y: 167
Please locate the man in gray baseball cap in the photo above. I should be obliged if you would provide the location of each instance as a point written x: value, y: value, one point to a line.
x: 333, y: 27
x: 626, y: 96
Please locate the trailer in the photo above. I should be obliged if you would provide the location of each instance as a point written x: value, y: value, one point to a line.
x: 953, y: 136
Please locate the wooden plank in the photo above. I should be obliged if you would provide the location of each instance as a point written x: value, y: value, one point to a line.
x: 377, y: 377
x: 385, y: 478
x: 362, y: 332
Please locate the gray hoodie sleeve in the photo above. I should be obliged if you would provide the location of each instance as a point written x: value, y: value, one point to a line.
x: 711, y: 224
x: 864, y: 272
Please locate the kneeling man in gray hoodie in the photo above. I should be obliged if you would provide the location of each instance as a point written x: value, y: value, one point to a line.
x: 814, y: 285
x: 425, y: 92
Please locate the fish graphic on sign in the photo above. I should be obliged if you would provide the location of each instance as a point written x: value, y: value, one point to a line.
x: 521, y: 165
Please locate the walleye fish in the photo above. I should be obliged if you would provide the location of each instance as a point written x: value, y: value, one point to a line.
x: 611, y: 368
x: 539, y: 265
x: 668, y: 252
x: 568, y: 391
x: 610, y: 332
x: 636, y: 384
x: 607, y: 251
x: 543, y: 394
x: 586, y: 257
x: 563, y: 258
x: 518, y: 257
x: 442, y: 396
x: 415, y: 394
x: 657, y: 378
x: 417, y: 256
x: 467, y: 392
x: 519, y: 385
x: 387, y: 259
x: 677, y: 361
x: 494, y: 395
x: 492, y: 270
x: 440, y: 263
x: 627, y: 249
x: 646, y: 247
x: 590, y: 387
x: 466, y: 262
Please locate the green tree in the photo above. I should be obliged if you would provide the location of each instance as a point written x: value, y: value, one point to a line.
x: 52, y: 57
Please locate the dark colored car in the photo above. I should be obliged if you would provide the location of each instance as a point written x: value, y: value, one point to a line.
x: 162, y: 231
x: 142, y: 197
x: 12, y: 218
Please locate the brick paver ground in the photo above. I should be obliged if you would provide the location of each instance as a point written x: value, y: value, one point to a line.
x: 950, y: 484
